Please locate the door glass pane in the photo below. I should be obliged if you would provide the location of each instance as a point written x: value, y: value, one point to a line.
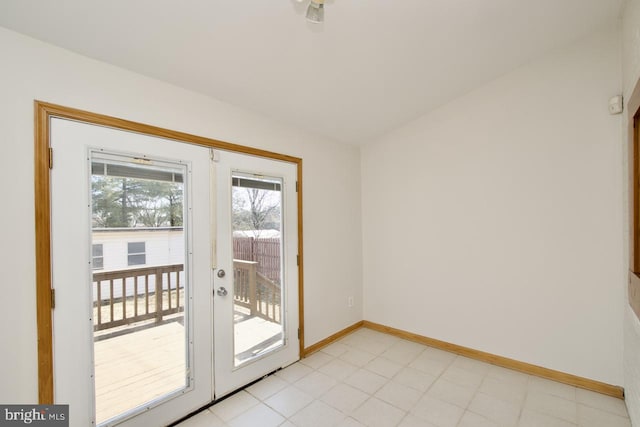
x: 257, y: 266
x: 138, y: 250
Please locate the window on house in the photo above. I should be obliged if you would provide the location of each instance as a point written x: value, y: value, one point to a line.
x: 136, y: 253
x: 97, y: 256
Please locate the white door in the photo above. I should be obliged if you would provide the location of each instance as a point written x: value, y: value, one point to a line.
x: 256, y: 280
x: 137, y: 338
x: 118, y: 354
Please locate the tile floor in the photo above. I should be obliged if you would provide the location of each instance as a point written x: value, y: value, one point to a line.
x: 373, y: 379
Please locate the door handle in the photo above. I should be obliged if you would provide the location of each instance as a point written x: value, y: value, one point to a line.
x: 222, y: 291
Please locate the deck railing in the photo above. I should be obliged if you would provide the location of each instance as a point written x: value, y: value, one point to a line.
x: 256, y: 292
x: 128, y: 296
x: 152, y: 294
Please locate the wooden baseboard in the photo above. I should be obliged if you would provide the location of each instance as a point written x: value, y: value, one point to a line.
x: 505, y: 362
x: 335, y: 337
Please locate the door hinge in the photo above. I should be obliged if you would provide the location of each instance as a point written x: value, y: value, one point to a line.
x: 298, y: 333
x: 53, y: 299
x: 298, y: 260
x: 296, y: 186
x: 50, y: 158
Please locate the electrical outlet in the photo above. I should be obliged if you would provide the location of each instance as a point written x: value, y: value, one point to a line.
x: 350, y: 301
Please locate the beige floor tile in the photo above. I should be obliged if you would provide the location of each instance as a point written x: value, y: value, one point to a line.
x: 260, y: 415
x: 496, y: 410
x: 203, y: 419
x: 267, y: 387
x: 399, y: 395
x: 376, y: 413
x: 554, y: 406
x: 367, y: 381
x: 317, y: 359
x: 530, y: 418
x: 514, y: 393
x: 440, y: 355
x: 376, y: 380
x: 428, y: 365
x: 470, y: 419
x: 367, y: 344
x: 403, y: 352
x: 593, y: 417
x: 294, y: 372
x: 384, y: 367
x: 357, y: 357
x: 350, y: 422
x: 378, y: 336
x: 413, y: 421
x: 508, y: 375
x: 345, y: 398
x: 338, y: 369
x: 336, y: 349
x: 463, y: 377
x: 315, y: 384
x: 471, y: 365
x: 234, y: 405
x: 437, y: 412
x: 452, y: 393
x: 289, y: 401
x: 600, y: 401
x: 317, y: 414
x: 554, y: 388
x: 415, y: 379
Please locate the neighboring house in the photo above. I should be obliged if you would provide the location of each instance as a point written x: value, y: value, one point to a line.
x: 115, y: 249
x: 121, y: 248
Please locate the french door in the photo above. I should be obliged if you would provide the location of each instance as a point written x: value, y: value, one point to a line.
x: 256, y: 267
x: 175, y: 273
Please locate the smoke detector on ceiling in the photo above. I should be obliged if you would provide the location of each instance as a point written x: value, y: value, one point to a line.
x: 315, y: 11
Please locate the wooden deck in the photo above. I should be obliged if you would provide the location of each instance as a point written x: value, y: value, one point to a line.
x: 135, y: 368
x: 253, y: 335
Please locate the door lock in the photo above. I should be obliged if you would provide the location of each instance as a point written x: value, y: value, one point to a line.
x: 221, y: 273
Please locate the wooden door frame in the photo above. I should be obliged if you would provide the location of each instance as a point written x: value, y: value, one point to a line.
x: 633, y: 154
x: 44, y: 112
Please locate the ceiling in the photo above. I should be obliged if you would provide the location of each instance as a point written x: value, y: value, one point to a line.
x: 371, y: 67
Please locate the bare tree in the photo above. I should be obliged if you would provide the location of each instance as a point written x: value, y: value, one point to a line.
x: 256, y: 209
x: 260, y: 209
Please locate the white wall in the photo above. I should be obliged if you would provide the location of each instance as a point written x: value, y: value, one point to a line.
x: 630, y: 76
x: 33, y: 70
x: 495, y: 222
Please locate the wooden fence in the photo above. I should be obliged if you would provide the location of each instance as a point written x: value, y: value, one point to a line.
x: 265, y: 252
